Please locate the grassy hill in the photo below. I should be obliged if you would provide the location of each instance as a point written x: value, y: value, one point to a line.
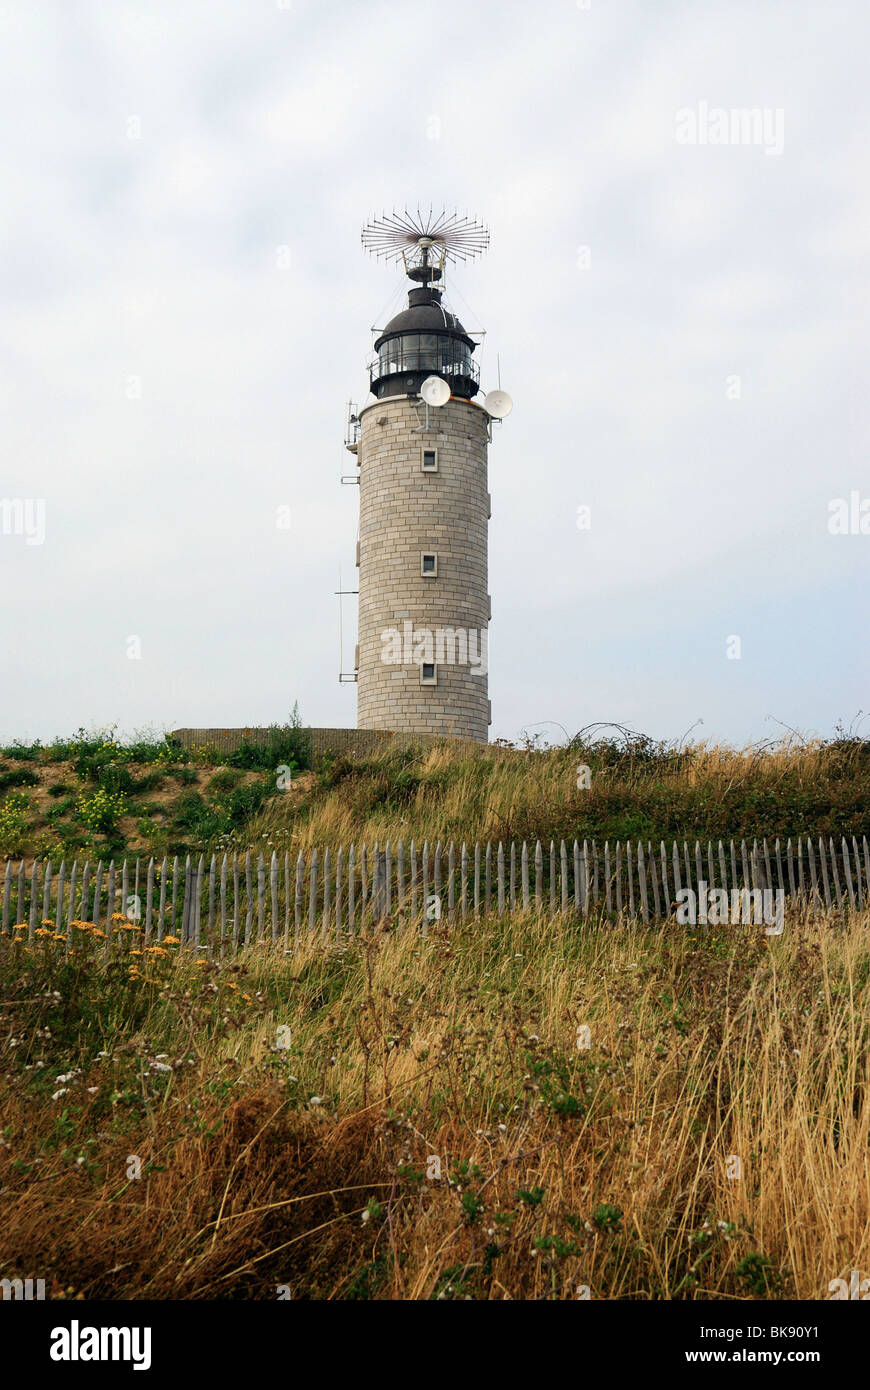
x: 93, y: 795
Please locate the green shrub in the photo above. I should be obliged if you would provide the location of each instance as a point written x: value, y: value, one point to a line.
x: 149, y: 781
x: 13, y: 823
x: 115, y: 777
x: 225, y: 780
x: 101, y: 810
x: 22, y: 752
x: 759, y: 1276
x: 18, y: 777
x: 182, y: 774
x: 289, y: 743
x: 275, y: 750
x: 204, y: 821
x: 188, y: 810
x: 159, y: 750
x: 61, y: 809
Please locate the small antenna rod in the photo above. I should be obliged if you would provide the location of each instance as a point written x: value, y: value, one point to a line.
x: 340, y: 629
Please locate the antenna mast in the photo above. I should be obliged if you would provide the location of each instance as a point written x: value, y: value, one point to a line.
x: 424, y: 242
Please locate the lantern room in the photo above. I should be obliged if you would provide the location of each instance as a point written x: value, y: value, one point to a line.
x: 423, y: 340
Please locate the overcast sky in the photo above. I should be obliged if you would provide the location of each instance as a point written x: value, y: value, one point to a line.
x: 185, y: 309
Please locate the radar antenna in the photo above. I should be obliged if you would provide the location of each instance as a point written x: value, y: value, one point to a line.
x: 425, y: 241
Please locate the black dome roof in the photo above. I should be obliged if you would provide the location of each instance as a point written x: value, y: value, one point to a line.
x: 424, y: 314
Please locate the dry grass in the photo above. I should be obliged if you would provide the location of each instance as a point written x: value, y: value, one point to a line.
x: 562, y: 1166
x: 637, y: 791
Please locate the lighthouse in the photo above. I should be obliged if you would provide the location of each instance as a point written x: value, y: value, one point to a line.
x: 421, y: 444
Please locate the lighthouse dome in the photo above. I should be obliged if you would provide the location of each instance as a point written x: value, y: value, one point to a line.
x: 423, y: 340
x: 424, y: 314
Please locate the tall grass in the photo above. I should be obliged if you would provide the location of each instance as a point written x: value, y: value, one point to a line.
x: 638, y: 791
x: 415, y: 1118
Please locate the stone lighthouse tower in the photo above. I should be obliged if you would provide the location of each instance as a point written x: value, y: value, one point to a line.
x: 424, y: 605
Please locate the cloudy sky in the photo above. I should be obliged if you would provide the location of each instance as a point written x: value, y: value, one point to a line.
x: 185, y: 309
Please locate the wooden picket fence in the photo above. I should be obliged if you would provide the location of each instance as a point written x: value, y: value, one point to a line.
x: 242, y: 899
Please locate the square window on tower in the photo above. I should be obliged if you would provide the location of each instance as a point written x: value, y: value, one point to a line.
x: 430, y: 461
x: 428, y: 673
x: 428, y: 564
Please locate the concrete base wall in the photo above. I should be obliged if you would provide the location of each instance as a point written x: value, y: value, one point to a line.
x: 353, y: 742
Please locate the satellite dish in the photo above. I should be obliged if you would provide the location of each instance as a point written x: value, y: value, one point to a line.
x: 435, y: 390
x: 498, y: 404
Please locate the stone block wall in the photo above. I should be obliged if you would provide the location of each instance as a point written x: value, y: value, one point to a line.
x: 405, y: 512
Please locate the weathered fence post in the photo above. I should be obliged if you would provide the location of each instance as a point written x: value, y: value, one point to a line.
x: 477, y: 878
x: 487, y: 878
x: 273, y: 891
x: 298, y: 898
x: 223, y: 891
x: 312, y: 894
x: 249, y: 899
x: 563, y: 869
x: 539, y: 877
x: 552, y: 878
x: 641, y: 877
x: 400, y: 882
x: 149, y: 899
x: 324, y: 925
x: 351, y: 889
x: 236, y: 912
x: 339, y: 887
x: 414, y: 893
x: 7, y: 894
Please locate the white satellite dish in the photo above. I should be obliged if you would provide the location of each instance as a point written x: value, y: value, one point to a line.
x: 435, y: 390
x: 498, y: 404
